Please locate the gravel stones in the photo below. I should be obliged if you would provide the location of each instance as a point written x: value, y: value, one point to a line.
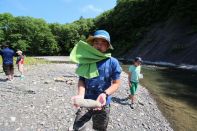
x: 40, y: 103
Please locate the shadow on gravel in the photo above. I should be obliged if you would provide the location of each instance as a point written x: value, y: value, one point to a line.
x: 17, y: 75
x: 3, y: 80
x: 17, y: 90
x: 29, y: 92
x: 62, y: 62
x: 70, y: 76
x: 122, y: 101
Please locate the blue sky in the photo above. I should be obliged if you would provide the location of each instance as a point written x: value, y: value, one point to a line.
x: 60, y: 11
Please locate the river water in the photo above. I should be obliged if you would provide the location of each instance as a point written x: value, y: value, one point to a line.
x: 175, y: 91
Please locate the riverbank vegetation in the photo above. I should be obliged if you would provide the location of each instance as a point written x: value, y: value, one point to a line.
x: 31, y: 61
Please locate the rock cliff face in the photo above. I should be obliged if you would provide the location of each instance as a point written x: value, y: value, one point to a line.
x: 170, y: 41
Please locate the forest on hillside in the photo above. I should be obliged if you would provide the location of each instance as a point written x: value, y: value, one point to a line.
x: 126, y: 22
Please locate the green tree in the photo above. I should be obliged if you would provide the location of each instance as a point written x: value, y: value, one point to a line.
x: 6, y: 24
x: 21, y: 45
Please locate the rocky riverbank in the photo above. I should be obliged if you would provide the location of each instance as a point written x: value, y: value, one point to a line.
x: 42, y: 102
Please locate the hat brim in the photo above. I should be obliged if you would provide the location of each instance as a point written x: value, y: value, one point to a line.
x: 90, y: 40
x: 19, y: 52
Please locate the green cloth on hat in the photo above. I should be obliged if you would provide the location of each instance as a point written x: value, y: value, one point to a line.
x: 86, y: 56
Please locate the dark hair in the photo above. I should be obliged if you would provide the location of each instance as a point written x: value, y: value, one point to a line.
x: 5, y: 44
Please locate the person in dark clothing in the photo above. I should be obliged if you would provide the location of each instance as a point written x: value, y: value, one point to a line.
x: 7, y: 57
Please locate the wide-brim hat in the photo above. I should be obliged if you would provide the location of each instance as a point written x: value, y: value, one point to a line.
x: 19, y: 52
x: 100, y: 34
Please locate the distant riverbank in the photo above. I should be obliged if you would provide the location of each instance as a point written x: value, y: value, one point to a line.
x: 163, y: 64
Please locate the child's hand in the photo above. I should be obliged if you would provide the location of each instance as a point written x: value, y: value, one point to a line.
x: 102, y: 99
x: 76, y: 97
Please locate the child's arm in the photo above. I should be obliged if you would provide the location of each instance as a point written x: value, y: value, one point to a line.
x: 129, y: 78
x: 81, y: 92
x: 18, y: 59
x: 81, y: 88
x: 140, y: 68
x: 140, y: 74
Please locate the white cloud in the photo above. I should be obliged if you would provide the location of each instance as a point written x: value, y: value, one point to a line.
x: 91, y: 8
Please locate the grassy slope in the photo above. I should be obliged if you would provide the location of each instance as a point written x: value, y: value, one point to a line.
x: 30, y: 61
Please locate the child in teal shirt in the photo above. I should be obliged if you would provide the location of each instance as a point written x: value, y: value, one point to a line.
x: 133, y: 78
